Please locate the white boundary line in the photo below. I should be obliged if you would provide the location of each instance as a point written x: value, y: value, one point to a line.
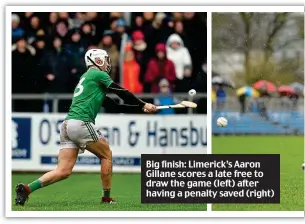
x: 9, y: 9
x: 209, y: 89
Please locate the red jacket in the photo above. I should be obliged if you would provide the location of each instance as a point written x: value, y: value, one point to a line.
x: 155, y: 73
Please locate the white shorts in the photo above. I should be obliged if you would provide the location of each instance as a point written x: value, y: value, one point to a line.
x: 76, y: 134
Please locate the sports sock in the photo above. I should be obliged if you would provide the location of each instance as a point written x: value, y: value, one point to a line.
x: 106, y: 193
x: 35, y: 185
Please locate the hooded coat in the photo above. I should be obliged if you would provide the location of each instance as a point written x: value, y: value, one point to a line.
x: 180, y: 56
x: 157, y: 70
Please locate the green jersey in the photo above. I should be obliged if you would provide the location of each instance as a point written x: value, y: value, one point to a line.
x: 89, y: 95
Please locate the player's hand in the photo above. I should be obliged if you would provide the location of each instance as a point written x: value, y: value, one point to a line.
x: 50, y: 77
x: 146, y: 111
x: 149, y: 108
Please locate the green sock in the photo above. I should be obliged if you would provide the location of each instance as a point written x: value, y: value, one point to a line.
x: 35, y: 185
x: 107, y: 193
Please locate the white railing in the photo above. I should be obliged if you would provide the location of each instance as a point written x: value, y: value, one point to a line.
x: 55, y: 98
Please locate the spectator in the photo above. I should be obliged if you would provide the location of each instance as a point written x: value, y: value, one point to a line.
x: 165, y: 97
x: 28, y: 15
x: 26, y: 20
x: 148, y: 16
x: 221, y: 97
x: 87, y: 33
x: 179, y: 29
x: 53, y: 19
x: 32, y: 31
x: 177, y: 16
x: 120, y: 31
x: 62, y: 30
x: 242, y: 101
x: 59, y: 40
x: 108, y: 45
x: 196, y: 31
x: 158, y: 68
x: 91, y: 16
x: 113, y: 25
x: 131, y: 72
x: 23, y: 67
x: 178, y: 26
x: 141, y: 54
x: 58, y: 68
x: 178, y: 54
x: 76, y: 44
x: 156, y: 32
x: 78, y: 20
x: 138, y: 23
x: 294, y: 98
x: 77, y: 47
x: 17, y: 31
x: 65, y: 16
x: 40, y: 46
x: 116, y: 15
x: 121, y: 26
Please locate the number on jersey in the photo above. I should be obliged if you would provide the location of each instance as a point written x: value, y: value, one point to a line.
x: 79, y: 88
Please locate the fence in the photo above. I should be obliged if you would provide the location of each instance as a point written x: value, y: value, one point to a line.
x: 261, y: 116
x: 272, y: 104
x: 55, y: 98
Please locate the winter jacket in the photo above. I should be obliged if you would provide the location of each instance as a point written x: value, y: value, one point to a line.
x: 155, y: 72
x: 181, y: 56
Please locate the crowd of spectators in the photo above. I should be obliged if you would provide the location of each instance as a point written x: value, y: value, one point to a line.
x: 147, y: 50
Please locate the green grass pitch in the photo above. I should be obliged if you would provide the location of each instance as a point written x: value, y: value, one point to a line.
x: 291, y: 149
x: 82, y: 192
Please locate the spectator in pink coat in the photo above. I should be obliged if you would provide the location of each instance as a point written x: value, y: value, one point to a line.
x: 159, y: 68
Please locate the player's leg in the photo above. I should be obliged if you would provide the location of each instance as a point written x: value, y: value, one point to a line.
x: 100, y: 148
x: 66, y: 161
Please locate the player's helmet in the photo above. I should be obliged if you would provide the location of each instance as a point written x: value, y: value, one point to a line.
x: 98, y: 57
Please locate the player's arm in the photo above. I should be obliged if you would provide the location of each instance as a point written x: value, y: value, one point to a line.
x: 120, y: 108
x: 125, y: 95
x: 104, y: 79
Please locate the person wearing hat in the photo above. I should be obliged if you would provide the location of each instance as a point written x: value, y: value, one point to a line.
x: 17, y: 31
x: 158, y: 68
x: 120, y: 31
x: 141, y: 54
x: 165, y: 97
x: 23, y: 65
x: 121, y: 26
x: 131, y: 71
x: 179, y: 54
